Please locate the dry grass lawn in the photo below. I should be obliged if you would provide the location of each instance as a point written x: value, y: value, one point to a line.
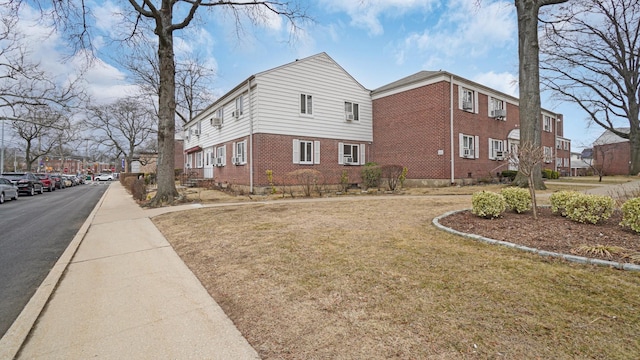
x: 371, y: 278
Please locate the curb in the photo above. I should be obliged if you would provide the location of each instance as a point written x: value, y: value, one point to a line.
x: 11, y: 342
x: 572, y: 258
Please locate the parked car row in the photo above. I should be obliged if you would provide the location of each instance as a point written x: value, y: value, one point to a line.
x: 13, y: 184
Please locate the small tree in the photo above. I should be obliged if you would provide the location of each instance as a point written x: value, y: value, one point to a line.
x: 529, y: 159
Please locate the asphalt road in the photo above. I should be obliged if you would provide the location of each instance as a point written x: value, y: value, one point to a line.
x: 34, y: 232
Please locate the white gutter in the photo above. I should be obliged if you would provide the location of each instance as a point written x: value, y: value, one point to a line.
x: 453, y: 172
x: 250, y: 138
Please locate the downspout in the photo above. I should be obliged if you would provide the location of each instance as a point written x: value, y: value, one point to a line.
x: 453, y: 172
x: 250, y: 138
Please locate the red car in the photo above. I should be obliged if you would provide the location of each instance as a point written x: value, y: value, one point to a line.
x: 47, y: 181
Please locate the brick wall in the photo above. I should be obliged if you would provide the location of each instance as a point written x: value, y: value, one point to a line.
x: 412, y: 129
x: 613, y: 159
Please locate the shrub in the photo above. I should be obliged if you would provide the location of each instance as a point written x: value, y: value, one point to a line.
x: 371, y: 174
x: 560, y: 199
x: 631, y: 214
x: 139, y: 189
x: 306, y: 178
x: 344, y: 181
x: 487, y: 204
x: 517, y: 199
x: 589, y: 208
x: 511, y: 174
x: 392, y: 174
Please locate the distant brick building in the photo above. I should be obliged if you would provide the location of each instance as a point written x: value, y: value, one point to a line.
x: 612, y: 154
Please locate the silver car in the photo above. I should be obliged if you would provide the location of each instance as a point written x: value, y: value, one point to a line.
x: 8, y: 191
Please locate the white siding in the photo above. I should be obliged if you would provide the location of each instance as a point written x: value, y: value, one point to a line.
x: 279, y: 90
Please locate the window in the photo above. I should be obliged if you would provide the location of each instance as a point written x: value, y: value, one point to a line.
x: 558, y: 162
x: 187, y: 134
x: 468, y: 146
x: 559, y: 144
x: 306, y: 104
x: 218, y: 118
x: 350, y: 154
x: 548, y: 154
x: 467, y: 99
x: 566, y: 145
x: 197, y: 129
x: 547, y: 126
x: 497, y: 109
x: 239, y: 153
x: 306, y: 152
x: 351, y: 111
x: 566, y: 162
x: 496, y: 149
x: 199, y: 157
x: 221, y: 156
x: 239, y: 106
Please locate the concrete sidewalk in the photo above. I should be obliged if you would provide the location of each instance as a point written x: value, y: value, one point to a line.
x: 121, y: 292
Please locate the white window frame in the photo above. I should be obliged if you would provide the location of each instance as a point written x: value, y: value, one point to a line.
x: 467, y: 95
x: 221, y: 152
x: 548, y: 154
x: 566, y: 145
x: 497, y: 104
x: 468, y: 144
x: 188, y: 163
x: 314, y: 152
x: 496, y: 145
x: 240, y: 152
x: 199, y: 159
x: 239, y: 105
x: 547, y: 123
x: 361, y: 153
x: 306, y: 104
x: 352, y: 108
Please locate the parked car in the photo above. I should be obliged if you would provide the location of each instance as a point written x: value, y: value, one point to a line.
x: 72, y: 178
x: 67, y: 182
x: 8, y: 191
x: 58, y: 182
x: 104, y: 177
x: 26, y: 182
x: 47, y: 181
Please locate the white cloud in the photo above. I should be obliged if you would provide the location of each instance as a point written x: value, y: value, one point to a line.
x: 464, y: 30
x: 505, y: 82
x: 366, y: 14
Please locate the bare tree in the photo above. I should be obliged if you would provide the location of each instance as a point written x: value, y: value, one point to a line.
x: 23, y: 83
x: 124, y: 125
x: 529, y: 158
x: 35, y: 126
x: 591, y: 57
x: 193, y: 79
x: 529, y: 79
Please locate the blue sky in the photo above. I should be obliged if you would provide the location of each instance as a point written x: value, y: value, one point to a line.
x: 376, y: 41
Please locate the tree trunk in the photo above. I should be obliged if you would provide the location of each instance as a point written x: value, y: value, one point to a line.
x: 167, y: 192
x: 529, y: 79
x: 634, y: 149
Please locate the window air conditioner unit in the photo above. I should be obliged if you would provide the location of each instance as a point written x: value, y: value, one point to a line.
x: 498, y: 114
x: 236, y: 114
x: 467, y: 105
x: 196, y: 132
x: 219, y: 161
x: 499, y: 155
x: 467, y: 153
x: 348, y: 160
x: 216, y: 121
x: 350, y: 117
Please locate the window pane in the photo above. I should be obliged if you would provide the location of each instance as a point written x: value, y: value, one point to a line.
x: 308, y: 104
x: 347, y: 107
x: 309, y: 152
x: 354, y: 152
x: 346, y: 150
x: 303, y: 104
x: 355, y: 111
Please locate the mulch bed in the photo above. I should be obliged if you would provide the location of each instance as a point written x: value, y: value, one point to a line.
x: 555, y: 233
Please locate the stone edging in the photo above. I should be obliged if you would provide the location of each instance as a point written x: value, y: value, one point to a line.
x: 573, y: 258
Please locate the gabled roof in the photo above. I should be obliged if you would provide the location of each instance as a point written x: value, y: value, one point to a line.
x: 608, y: 137
x: 408, y: 80
x: 323, y: 56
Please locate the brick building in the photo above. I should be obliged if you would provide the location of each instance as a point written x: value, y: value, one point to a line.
x: 611, y: 153
x: 311, y: 114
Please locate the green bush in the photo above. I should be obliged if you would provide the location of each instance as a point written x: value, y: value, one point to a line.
x: 560, y: 199
x: 511, y: 174
x: 487, y: 204
x: 631, y: 214
x: 371, y: 174
x: 589, y: 208
x: 550, y: 174
x: 517, y: 199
